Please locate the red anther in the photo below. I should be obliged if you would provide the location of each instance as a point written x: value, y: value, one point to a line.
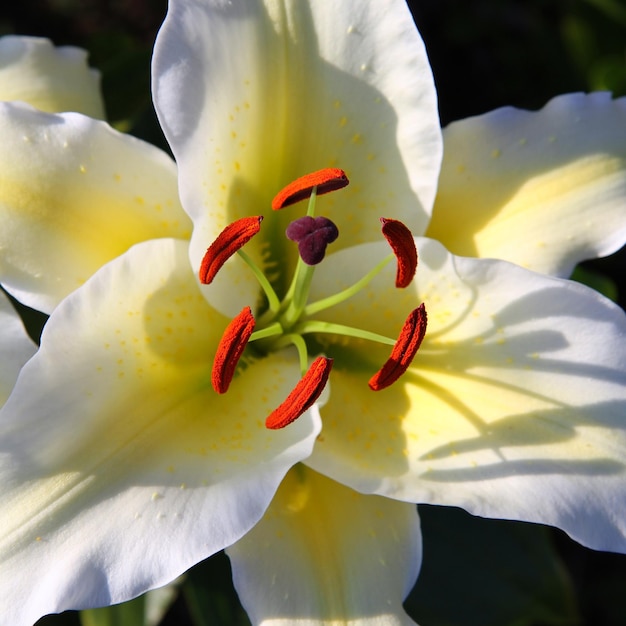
x: 233, y: 237
x: 403, y: 352
x: 304, y: 394
x: 230, y: 349
x: 328, y: 179
x: 402, y: 243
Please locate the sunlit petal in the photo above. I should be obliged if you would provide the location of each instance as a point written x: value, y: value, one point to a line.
x: 51, y: 79
x: 543, y: 189
x: 74, y: 194
x: 514, y: 405
x: 252, y: 95
x: 120, y: 466
x: 15, y: 347
x: 324, y: 554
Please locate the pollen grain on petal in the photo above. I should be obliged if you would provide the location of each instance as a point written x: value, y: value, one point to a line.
x: 404, y: 350
x: 402, y: 243
x: 304, y: 394
x: 231, y: 239
x: 230, y: 349
x: 326, y: 180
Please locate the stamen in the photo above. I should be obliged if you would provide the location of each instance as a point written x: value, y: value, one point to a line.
x: 403, y: 352
x: 230, y: 349
x: 402, y: 243
x: 328, y: 179
x: 345, y: 294
x: 233, y: 237
x: 312, y: 234
x: 304, y: 394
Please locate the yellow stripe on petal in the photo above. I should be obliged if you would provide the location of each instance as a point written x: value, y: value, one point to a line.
x: 517, y: 388
x: 75, y: 194
x: 324, y: 554
x: 543, y: 189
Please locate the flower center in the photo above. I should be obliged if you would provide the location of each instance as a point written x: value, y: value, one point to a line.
x: 288, y: 321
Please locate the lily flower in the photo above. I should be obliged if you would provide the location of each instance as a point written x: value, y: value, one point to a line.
x: 542, y: 189
x: 76, y: 194
x: 175, y: 405
x: 49, y: 78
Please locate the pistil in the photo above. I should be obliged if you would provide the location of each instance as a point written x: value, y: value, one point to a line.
x: 298, y: 292
x: 312, y: 234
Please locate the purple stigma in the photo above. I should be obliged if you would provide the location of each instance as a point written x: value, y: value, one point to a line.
x: 312, y: 235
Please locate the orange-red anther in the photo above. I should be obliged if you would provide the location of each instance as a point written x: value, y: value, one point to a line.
x: 328, y: 179
x: 304, y: 394
x: 230, y: 349
x: 406, y: 347
x: 233, y: 237
x: 402, y: 243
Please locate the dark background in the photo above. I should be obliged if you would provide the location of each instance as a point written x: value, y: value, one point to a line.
x: 485, y: 54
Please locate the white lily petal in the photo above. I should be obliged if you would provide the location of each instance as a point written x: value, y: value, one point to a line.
x: 513, y: 407
x: 120, y: 466
x: 75, y: 194
x: 49, y: 78
x: 324, y: 554
x: 252, y: 95
x: 542, y: 189
x: 15, y: 347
